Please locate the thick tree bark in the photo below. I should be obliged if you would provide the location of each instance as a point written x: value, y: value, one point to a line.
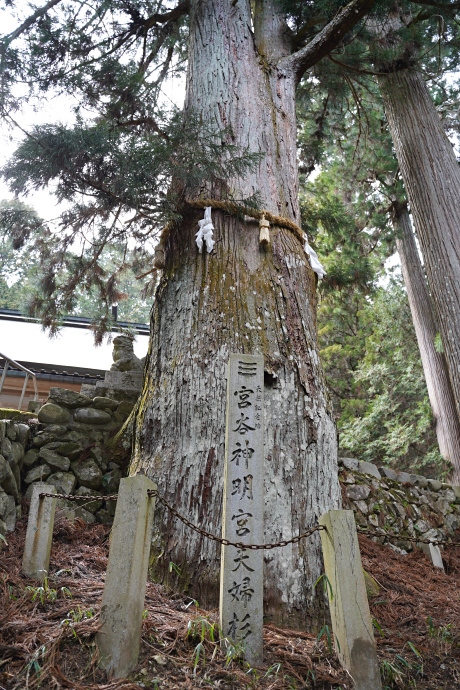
x: 432, y: 180
x: 434, y: 365
x: 239, y: 298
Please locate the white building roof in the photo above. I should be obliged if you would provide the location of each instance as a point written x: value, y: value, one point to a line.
x: 72, y: 347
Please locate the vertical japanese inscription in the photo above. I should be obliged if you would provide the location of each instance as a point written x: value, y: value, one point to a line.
x: 241, y: 579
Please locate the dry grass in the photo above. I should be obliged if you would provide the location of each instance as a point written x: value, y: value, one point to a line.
x: 47, y: 636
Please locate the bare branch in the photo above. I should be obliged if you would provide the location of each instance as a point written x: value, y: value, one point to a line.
x: 149, y: 121
x: 32, y: 19
x: 371, y: 73
x: 182, y: 8
x: 306, y: 28
x: 327, y: 39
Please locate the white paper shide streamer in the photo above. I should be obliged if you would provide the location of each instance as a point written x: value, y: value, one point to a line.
x: 204, y: 234
x: 314, y: 261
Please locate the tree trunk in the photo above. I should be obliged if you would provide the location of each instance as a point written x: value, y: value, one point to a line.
x: 240, y: 298
x: 432, y: 180
x: 434, y: 365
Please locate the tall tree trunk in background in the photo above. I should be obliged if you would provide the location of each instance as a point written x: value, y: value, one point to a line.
x: 239, y: 298
x: 434, y: 365
x: 432, y: 180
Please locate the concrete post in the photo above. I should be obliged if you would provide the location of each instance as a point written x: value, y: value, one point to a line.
x: 37, y: 549
x: 351, y: 619
x: 434, y: 554
x: 124, y: 591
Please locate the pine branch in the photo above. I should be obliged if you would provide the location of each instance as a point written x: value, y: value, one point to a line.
x: 149, y: 121
x: 32, y: 19
x: 371, y: 73
x: 141, y: 26
x: 85, y: 180
x: 306, y: 28
x: 327, y: 39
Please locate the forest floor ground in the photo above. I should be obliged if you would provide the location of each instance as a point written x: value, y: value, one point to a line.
x: 47, y: 634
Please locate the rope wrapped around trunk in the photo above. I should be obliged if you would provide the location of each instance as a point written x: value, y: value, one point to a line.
x: 237, y: 210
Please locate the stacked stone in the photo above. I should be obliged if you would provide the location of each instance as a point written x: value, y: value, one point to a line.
x: 70, y: 451
x: 68, y: 448
x: 400, y: 503
x: 13, y: 440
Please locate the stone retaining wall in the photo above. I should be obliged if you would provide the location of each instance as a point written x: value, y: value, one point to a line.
x: 405, y: 504
x: 72, y: 443
x: 13, y: 441
x: 69, y: 448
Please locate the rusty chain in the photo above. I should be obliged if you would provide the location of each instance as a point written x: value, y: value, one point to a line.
x: 252, y: 547
x: 209, y: 535
x: 417, y: 540
x: 69, y: 497
x: 226, y: 542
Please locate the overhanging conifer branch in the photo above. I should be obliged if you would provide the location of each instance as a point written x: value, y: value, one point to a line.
x: 182, y: 8
x: 32, y: 19
x: 328, y: 38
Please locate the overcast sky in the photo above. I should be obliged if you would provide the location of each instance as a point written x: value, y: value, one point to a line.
x: 73, y: 347
x: 27, y: 341
x: 77, y: 344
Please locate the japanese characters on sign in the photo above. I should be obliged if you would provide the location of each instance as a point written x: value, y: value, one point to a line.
x: 241, y: 593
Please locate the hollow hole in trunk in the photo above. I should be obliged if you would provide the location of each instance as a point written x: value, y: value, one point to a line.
x: 270, y: 379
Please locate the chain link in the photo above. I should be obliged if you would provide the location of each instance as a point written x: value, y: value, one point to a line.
x: 226, y: 542
x: 68, y: 497
x: 416, y: 540
x: 252, y: 547
x: 209, y: 535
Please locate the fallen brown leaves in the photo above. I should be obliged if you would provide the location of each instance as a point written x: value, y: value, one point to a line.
x: 418, y: 605
x: 47, y: 635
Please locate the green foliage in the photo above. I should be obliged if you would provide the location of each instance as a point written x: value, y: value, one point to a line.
x: 22, y: 289
x: 377, y: 626
x: 387, y: 417
x: 203, y: 629
x: 34, y: 663
x: 325, y: 632
x: 199, y: 651
x: 76, y: 616
x: 390, y: 673
x: 175, y: 567
x: 367, y: 343
x: 234, y: 651
x: 46, y: 593
x: 133, y: 305
x: 18, y: 263
x: 327, y: 587
x: 443, y: 634
x: 123, y: 171
x: 395, y: 673
x: 93, y: 259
